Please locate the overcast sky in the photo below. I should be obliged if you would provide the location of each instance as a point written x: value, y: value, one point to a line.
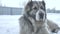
x: 19, y: 3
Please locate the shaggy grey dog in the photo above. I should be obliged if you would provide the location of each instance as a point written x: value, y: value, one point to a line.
x: 34, y: 20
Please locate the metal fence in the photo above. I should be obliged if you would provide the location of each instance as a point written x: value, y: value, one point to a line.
x: 10, y: 11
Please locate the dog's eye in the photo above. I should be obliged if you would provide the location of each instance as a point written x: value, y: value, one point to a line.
x: 35, y: 8
x: 41, y: 7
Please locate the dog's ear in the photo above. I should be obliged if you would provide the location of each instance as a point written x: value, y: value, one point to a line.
x: 43, y: 2
x: 29, y: 6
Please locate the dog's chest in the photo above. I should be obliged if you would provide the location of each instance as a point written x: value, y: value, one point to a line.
x: 39, y: 24
x: 36, y: 23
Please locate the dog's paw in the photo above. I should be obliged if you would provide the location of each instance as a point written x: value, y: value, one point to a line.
x: 55, y: 30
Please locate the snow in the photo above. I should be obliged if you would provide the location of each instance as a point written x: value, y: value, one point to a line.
x: 54, y: 17
x: 9, y: 24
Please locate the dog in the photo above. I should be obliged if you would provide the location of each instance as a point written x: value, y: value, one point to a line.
x: 34, y: 20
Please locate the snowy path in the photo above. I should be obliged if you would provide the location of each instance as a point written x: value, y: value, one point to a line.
x: 9, y: 24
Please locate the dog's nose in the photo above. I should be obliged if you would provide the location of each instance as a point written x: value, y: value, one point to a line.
x: 41, y: 15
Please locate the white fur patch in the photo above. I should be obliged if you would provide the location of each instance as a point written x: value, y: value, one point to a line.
x: 37, y: 16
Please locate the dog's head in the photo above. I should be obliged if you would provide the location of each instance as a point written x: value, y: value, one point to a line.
x: 36, y: 10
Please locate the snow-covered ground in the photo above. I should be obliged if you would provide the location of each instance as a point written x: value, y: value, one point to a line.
x: 9, y: 24
x: 54, y: 17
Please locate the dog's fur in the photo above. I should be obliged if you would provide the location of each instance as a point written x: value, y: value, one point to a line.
x: 34, y: 19
x: 53, y: 26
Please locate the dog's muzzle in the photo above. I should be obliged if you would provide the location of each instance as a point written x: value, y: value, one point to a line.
x: 40, y: 15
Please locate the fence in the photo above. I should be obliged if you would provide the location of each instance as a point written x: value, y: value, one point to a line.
x: 10, y: 11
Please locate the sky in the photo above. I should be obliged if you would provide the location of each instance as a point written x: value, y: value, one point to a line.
x: 21, y: 3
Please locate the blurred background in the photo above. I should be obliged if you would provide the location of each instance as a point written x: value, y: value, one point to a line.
x: 11, y: 10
